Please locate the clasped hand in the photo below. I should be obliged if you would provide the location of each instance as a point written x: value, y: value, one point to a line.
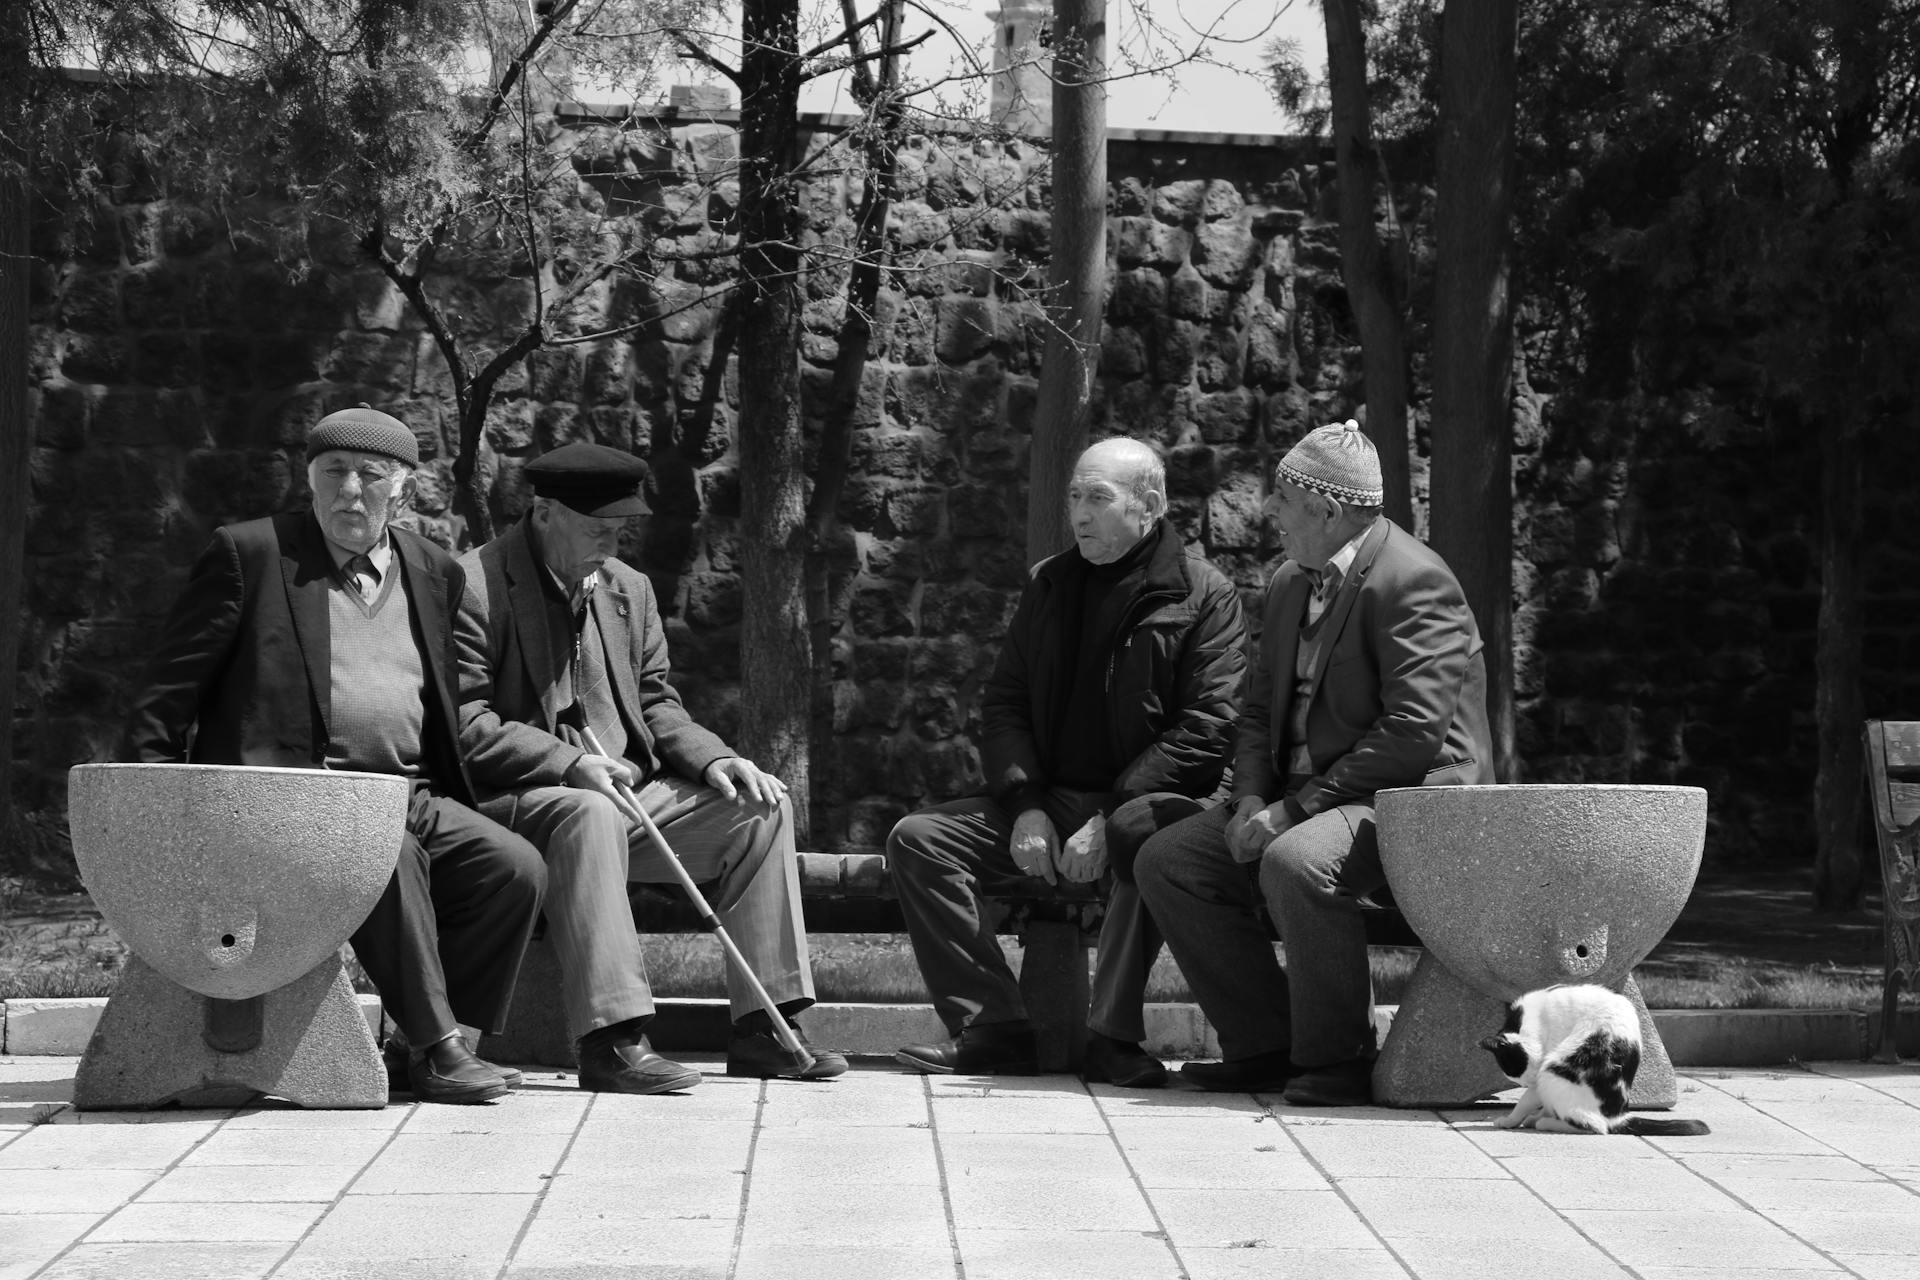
x: 1037, y: 850
x: 1254, y: 826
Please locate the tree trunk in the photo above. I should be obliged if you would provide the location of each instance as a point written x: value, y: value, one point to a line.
x: 1838, y: 708
x: 1077, y: 272
x: 775, y: 656
x: 16, y: 431
x: 1374, y: 273
x: 1472, y: 486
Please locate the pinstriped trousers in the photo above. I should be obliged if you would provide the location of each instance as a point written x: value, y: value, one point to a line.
x: 742, y: 854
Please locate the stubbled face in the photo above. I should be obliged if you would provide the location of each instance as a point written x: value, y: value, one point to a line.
x: 1107, y: 517
x: 1513, y: 1051
x: 355, y: 495
x: 574, y: 546
x: 1308, y: 525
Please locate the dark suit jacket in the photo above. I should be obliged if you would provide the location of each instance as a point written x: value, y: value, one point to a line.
x: 508, y: 716
x: 242, y: 674
x: 1399, y: 695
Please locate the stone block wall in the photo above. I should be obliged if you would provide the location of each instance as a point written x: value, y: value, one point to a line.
x: 1663, y: 571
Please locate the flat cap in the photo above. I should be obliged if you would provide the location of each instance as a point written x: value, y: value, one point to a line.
x: 593, y: 479
x: 367, y: 430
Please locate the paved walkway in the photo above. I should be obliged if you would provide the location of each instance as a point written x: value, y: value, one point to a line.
x: 882, y: 1174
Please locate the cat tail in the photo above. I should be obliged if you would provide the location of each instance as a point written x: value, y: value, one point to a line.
x: 1643, y: 1126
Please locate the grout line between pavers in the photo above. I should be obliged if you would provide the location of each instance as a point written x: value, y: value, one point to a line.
x: 940, y: 1164
x: 1333, y: 1184
x: 1753, y: 1105
x: 81, y: 1239
x: 746, y: 1182
x: 526, y: 1223
x: 413, y: 1109
x: 1166, y: 1236
x: 1552, y: 1208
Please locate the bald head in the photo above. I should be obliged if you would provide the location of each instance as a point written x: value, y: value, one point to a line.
x: 1116, y: 494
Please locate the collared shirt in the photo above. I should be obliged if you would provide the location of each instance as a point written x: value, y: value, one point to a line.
x: 379, y: 556
x: 1326, y: 582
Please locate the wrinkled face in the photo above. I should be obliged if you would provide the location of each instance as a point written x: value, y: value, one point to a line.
x: 1107, y: 517
x: 356, y: 494
x: 574, y: 546
x: 1308, y: 524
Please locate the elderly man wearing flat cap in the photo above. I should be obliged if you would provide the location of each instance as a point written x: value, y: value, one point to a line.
x: 1369, y: 675
x: 323, y: 639
x: 572, y: 637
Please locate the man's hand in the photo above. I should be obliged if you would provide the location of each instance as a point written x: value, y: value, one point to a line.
x: 1035, y: 844
x: 738, y: 778
x: 1252, y: 828
x: 1084, y: 856
x: 602, y: 773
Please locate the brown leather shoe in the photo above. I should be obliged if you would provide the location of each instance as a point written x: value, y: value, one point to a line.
x: 447, y: 1071
x: 626, y: 1063
x: 998, y: 1048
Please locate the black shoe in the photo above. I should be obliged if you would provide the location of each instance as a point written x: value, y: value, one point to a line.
x: 1261, y: 1073
x: 395, y: 1053
x: 447, y: 1071
x: 998, y: 1048
x: 1120, y: 1062
x: 1341, y: 1084
x: 626, y: 1063
x: 753, y: 1051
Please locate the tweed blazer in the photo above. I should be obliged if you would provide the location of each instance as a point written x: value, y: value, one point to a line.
x: 242, y: 671
x: 509, y: 712
x: 1398, y: 696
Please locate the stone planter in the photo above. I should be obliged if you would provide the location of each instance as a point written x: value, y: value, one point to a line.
x: 234, y: 887
x: 1512, y: 888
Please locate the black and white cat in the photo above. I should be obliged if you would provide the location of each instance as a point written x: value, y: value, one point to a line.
x: 1574, y: 1051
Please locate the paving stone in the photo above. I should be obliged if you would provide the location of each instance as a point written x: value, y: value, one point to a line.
x: 717, y: 1097
x: 281, y: 1118
x: 881, y: 1100
x: 847, y: 1157
x: 208, y: 1223
x: 1029, y: 1200
x: 1272, y: 1168
x: 104, y: 1146
x: 800, y: 1213
x: 435, y: 1236
x: 1798, y: 1086
x: 1875, y: 1266
x: 1638, y: 1184
x: 1864, y: 1229
x: 1264, y: 1262
x: 1736, y: 1273
x: 28, y: 1241
x: 770, y: 1260
x: 1406, y: 1150
x: 1586, y: 1148
x: 1174, y: 1103
x: 695, y: 1246
x: 463, y: 1162
x: 1770, y: 1196
x: 1722, y: 1167
x: 169, y: 1261
x: 625, y: 1142
x: 238, y: 1183
x: 341, y: 1147
x: 1217, y: 1218
x: 1442, y: 1258
x: 1059, y: 1116
x: 1033, y: 1155
x: 1469, y: 1208
x: 66, y: 1191
x: 522, y: 1111
x: 999, y: 1254
x: 662, y: 1190
x: 1693, y: 1237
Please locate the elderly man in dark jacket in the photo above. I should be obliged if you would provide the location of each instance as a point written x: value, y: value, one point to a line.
x: 1107, y: 716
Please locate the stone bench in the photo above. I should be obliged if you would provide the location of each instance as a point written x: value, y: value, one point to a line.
x: 852, y: 893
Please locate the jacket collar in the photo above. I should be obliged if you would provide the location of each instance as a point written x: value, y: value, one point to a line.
x: 1167, y: 572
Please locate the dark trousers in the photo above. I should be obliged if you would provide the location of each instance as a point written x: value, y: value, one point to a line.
x: 1310, y: 880
x: 444, y: 943
x: 946, y: 860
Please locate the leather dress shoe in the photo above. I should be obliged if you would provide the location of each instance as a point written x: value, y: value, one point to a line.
x: 396, y: 1051
x: 1340, y: 1084
x: 753, y: 1051
x: 1120, y: 1062
x: 998, y: 1048
x: 627, y: 1064
x: 448, y: 1071
x: 1261, y: 1073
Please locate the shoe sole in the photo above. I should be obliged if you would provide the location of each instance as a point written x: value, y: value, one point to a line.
x: 672, y: 1084
x: 487, y: 1092
x: 1235, y: 1086
x: 936, y: 1069
x: 1146, y: 1080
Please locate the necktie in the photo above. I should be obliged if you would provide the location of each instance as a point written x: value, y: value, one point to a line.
x: 364, y: 578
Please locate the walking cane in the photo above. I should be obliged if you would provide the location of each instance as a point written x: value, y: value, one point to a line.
x: 796, y: 1052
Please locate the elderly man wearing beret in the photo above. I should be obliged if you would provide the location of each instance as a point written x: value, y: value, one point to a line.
x: 1368, y: 675
x: 323, y: 639
x: 573, y: 637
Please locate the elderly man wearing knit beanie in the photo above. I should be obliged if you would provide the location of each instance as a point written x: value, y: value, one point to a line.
x: 323, y: 639
x: 1369, y: 675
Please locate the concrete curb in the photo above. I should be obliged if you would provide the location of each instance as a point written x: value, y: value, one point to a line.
x: 1694, y: 1037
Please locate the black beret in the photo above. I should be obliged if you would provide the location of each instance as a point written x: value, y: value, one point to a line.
x: 590, y: 478
x: 365, y: 430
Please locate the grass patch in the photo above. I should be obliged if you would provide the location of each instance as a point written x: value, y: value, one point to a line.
x: 54, y: 959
